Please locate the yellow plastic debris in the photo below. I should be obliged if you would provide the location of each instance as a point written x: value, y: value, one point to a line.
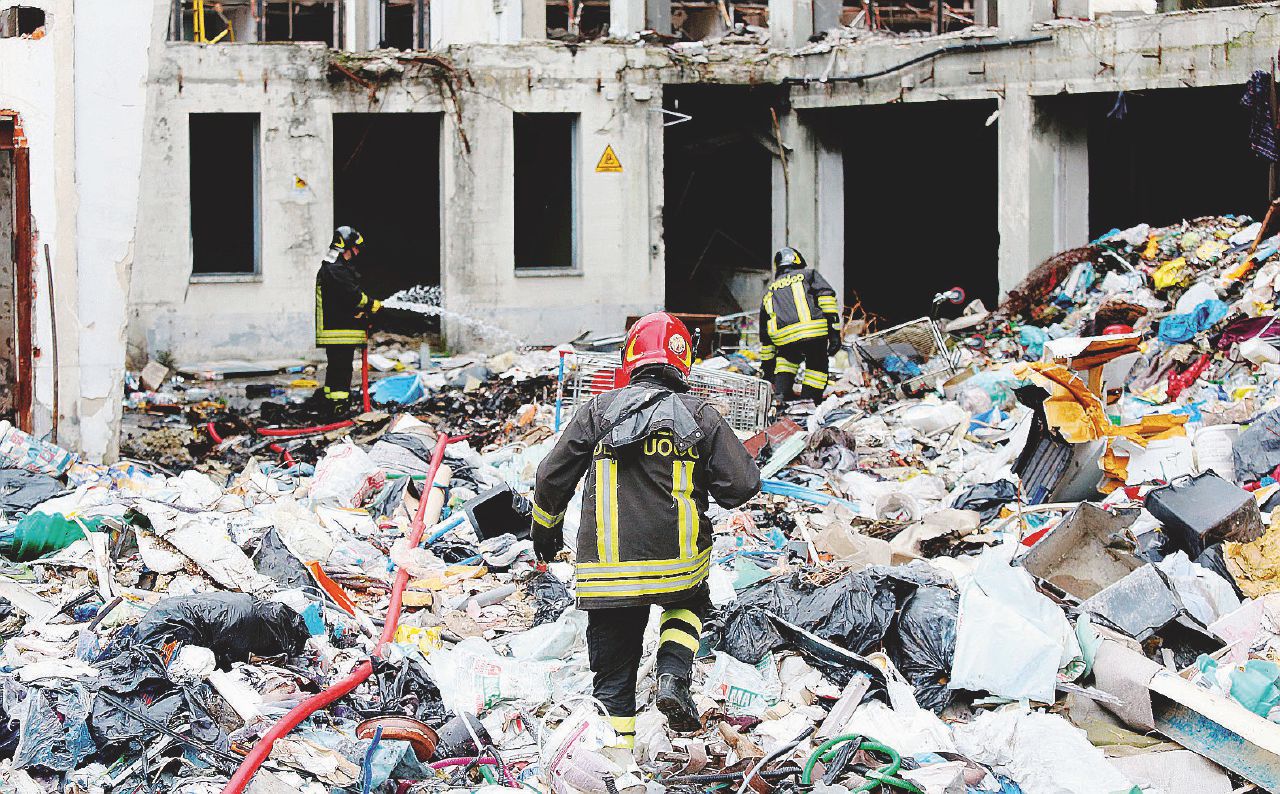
x: 1174, y: 273
x: 1256, y: 566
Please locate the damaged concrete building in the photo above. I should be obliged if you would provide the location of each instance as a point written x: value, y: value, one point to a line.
x: 557, y: 165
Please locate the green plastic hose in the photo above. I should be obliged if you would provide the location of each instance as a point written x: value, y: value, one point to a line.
x: 884, y: 776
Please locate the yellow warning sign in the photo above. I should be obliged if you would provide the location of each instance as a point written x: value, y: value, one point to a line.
x: 609, y: 163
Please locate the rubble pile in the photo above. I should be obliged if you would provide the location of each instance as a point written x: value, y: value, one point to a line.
x: 1036, y: 557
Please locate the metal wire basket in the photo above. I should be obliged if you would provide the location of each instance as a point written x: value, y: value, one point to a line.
x: 742, y: 399
x: 909, y: 353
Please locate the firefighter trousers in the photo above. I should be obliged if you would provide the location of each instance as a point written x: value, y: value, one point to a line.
x: 615, y: 645
x: 338, y: 370
x: 813, y: 383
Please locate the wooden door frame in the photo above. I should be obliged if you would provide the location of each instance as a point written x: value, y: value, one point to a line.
x: 13, y: 139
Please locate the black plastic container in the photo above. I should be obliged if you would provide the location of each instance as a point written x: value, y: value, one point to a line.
x: 1205, y: 509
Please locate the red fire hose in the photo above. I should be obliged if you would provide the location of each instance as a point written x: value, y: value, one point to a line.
x: 364, y: 377
x: 306, y: 708
x: 293, y: 432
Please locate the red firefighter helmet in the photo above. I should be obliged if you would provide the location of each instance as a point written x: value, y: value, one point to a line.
x: 657, y: 338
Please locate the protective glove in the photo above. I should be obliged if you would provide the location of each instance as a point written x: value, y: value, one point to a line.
x: 833, y: 343
x: 547, y: 544
x: 374, y: 309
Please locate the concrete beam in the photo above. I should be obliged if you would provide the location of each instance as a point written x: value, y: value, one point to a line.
x: 1183, y: 50
x: 790, y: 23
x: 1043, y: 205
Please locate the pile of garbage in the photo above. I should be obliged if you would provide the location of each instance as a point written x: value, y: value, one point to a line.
x: 1038, y: 557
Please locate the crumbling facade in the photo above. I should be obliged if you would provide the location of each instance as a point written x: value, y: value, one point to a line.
x: 186, y: 177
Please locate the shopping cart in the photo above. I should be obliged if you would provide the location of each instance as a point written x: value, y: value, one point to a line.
x: 743, y: 400
x: 914, y: 352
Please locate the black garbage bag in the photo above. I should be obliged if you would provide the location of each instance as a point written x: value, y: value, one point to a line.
x: 232, y: 625
x: 749, y: 634
x: 924, y: 644
x: 21, y: 490
x: 853, y: 613
x: 274, y: 559
x: 181, y: 710
x: 404, y: 687
x: 132, y: 668
x: 550, y: 596
x: 987, y: 498
x: 1257, y: 450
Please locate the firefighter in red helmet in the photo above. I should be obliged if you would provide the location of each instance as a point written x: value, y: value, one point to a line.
x: 653, y: 455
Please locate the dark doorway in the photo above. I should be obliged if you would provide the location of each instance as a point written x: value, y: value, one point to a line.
x: 387, y: 185
x: 920, y: 205
x: 718, y: 170
x: 16, y: 266
x: 1158, y: 157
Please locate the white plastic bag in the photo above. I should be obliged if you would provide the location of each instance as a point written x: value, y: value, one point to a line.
x: 555, y: 640
x: 473, y: 678
x: 1044, y: 753
x: 746, y: 690
x: 346, y: 475
x: 1011, y: 641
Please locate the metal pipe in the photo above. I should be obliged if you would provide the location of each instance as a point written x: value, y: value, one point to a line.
x: 976, y: 46
x: 53, y: 334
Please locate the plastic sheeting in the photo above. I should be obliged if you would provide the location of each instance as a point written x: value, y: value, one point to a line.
x: 1011, y: 641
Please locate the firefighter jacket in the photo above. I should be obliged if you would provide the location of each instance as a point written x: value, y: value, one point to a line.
x: 651, y: 456
x: 798, y: 305
x: 341, y: 304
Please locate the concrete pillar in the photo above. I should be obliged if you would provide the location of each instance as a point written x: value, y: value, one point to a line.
x: 790, y: 23
x: 1043, y: 203
x: 808, y: 197
x: 533, y: 19
x: 826, y: 14
x: 1015, y: 17
x: 360, y: 25
x: 628, y: 17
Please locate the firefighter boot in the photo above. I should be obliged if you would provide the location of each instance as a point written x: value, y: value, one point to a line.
x: 677, y: 704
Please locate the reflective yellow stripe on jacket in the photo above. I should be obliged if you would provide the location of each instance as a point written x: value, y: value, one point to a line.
x: 337, y: 336
x: 621, y: 579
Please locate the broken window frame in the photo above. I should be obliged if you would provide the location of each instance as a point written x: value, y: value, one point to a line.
x: 215, y: 276
x: 22, y: 22
x: 223, y: 31
x: 575, y: 200
x: 420, y: 35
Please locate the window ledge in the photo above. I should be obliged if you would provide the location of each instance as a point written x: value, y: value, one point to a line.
x: 226, y: 278
x: 547, y: 272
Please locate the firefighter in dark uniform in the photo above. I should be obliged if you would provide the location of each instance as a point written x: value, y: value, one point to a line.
x: 652, y: 455
x: 799, y: 324
x: 344, y: 312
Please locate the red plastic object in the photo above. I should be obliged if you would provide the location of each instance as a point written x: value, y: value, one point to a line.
x: 1180, y: 381
x: 364, y: 378
x: 1118, y: 328
x: 331, y: 587
x: 244, y: 773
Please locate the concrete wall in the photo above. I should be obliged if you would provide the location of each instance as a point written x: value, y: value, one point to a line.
x: 270, y: 314
x: 44, y: 98
x: 619, y: 214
